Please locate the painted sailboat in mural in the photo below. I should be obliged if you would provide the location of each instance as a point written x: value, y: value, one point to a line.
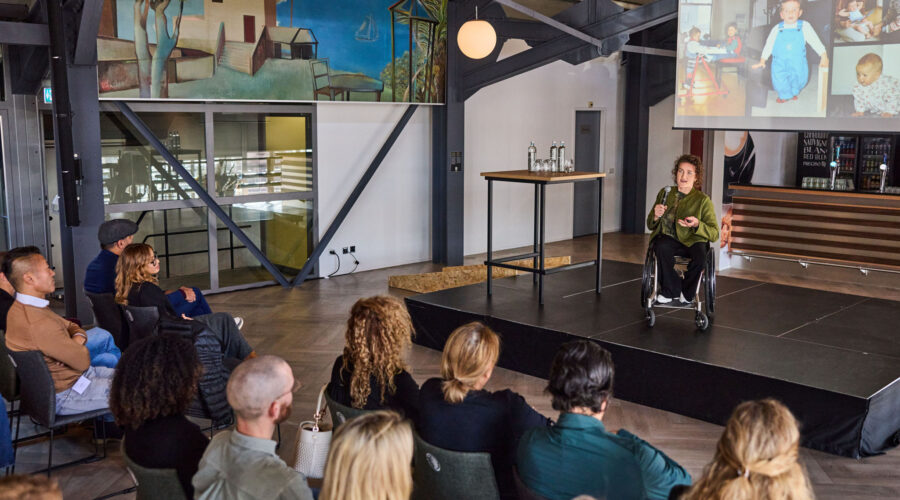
x: 368, y: 30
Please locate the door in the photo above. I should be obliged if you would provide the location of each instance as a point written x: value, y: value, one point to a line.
x: 250, y: 29
x: 588, y: 148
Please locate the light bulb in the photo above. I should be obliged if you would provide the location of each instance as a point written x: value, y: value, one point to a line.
x: 476, y: 39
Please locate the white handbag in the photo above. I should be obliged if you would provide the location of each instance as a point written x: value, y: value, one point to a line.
x: 313, y: 442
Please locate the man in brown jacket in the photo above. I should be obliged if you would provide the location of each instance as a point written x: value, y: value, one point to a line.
x: 32, y: 326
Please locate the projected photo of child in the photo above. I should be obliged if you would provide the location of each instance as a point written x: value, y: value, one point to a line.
x: 712, y: 69
x: 798, y: 85
x: 856, y: 21
x: 866, y: 81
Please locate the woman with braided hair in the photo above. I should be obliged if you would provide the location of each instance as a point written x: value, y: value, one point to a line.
x: 756, y: 458
x: 154, y: 384
x: 372, y: 374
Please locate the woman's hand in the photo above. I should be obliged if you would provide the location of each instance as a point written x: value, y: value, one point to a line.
x: 185, y: 316
x: 689, y: 222
x: 188, y: 294
x: 658, y: 211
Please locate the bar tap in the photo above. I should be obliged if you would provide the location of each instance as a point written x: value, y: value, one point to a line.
x: 834, y: 168
x: 884, y: 170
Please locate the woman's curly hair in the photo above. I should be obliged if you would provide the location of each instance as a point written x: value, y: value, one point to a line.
x: 694, y: 160
x: 379, y: 332
x: 156, y: 377
x: 130, y: 269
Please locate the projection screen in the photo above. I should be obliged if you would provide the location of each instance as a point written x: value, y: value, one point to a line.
x: 830, y: 65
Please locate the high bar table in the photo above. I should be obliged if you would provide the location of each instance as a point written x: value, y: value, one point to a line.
x: 540, y: 181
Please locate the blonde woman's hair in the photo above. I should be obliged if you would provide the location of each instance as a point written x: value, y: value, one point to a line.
x: 469, y: 353
x: 130, y: 269
x: 756, y: 458
x: 19, y: 487
x: 370, y: 459
x: 379, y: 332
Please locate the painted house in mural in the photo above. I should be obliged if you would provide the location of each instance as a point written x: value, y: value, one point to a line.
x: 238, y: 34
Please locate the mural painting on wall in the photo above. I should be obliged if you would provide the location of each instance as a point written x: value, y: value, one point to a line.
x: 297, y: 50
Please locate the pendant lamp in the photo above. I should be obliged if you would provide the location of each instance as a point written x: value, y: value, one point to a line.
x: 476, y: 39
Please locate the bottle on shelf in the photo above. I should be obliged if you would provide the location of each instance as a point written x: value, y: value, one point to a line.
x: 554, y: 152
x: 532, y: 156
x: 561, y: 157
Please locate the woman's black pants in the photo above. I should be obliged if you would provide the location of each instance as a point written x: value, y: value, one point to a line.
x: 666, y: 249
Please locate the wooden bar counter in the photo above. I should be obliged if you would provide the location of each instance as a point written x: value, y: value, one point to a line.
x: 851, y: 228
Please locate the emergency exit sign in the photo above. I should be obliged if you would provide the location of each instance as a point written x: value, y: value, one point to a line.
x: 48, y: 95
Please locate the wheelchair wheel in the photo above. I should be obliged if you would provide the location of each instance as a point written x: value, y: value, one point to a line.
x: 710, y: 285
x: 702, y: 321
x: 648, y: 277
x: 651, y: 318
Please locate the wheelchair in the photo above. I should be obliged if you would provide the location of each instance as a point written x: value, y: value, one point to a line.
x: 704, y: 302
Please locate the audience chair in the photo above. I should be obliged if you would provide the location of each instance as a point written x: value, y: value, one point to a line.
x: 39, y: 402
x: 9, y: 389
x: 108, y: 315
x: 142, y: 322
x: 440, y: 474
x: 523, y: 490
x: 341, y: 413
x: 153, y: 484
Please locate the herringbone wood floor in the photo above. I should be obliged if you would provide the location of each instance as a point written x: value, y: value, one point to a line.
x: 306, y: 326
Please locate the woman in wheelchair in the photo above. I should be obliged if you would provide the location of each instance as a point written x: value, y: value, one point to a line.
x: 683, y: 222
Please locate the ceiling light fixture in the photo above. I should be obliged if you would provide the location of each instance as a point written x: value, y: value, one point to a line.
x: 476, y: 39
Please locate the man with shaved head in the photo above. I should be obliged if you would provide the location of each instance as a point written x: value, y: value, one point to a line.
x: 241, y: 464
x: 80, y: 362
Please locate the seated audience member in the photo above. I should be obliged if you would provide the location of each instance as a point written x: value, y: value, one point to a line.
x: 371, y: 374
x: 241, y: 463
x: 7, y: 294
x: 578, y: 455
x: 21, y: 487
x: 100, y: 276
x: 756, y: 457
x: 70, y: 352
x: 155, y: 382
x: 136, y: 285
x: 370, y: 458
x: 456, y: 413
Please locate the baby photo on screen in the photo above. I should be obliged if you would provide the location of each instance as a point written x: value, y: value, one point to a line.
x: 712, y: 69
x: 866, y: 81
x: 858, y: 20
x: 790, y: 77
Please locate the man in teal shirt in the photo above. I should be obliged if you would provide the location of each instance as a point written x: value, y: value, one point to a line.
x: 578, y: 456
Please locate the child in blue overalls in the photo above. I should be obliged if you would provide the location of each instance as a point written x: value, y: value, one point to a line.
x: 787, y: 46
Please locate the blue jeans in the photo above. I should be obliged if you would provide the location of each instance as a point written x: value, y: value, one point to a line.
x: 94, y: 397
x: 102, y: 348
x: 192, y: 309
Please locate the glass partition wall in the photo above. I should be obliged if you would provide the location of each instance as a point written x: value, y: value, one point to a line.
x: 256, y: 161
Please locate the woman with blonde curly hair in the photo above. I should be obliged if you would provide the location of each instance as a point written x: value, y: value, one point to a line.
x: 756, y: 458
x: 370, y: 458
x: 371, y: 373
x: 457, y: 413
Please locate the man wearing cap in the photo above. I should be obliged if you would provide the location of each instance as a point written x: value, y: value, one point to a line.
x: 100, y: 277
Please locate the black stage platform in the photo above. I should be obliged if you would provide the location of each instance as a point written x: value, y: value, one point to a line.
x: 834, y: 359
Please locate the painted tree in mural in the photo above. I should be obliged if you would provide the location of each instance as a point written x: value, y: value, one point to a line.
x: 152, y: 73
x: 141, y: 46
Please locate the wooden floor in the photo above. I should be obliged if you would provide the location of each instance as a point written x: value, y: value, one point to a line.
x: 306, y: 326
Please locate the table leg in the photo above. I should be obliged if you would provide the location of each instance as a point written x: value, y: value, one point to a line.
x: 534, y: 263
x: 541, y: 250
x: 490, y: 217
x: 599, y: 231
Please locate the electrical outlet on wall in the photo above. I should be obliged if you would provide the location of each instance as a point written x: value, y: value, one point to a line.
x: 345, y: 250
x: 352, y: 248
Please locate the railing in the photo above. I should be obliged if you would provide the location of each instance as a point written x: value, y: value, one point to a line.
x: 220, y: 45
x: 260, y: 52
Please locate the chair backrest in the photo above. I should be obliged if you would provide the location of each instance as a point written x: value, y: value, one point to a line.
x: 321, y: 76
x: 108, y: 315
x: 153, y: 484
x: 36, y: 386
x: 9, y: 381
x: 142, y: 322
x: 440, y: 474
x: 341, y: 413
x: 523, y: 490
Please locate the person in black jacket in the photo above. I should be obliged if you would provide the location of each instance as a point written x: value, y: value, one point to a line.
x: 136, y: 285
x: 456, y: 413
x: 371, y: 373
x: 155, y: 381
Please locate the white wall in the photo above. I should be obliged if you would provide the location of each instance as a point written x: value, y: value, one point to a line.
x: 665, y: 145
x: 391, y: 222
x: 540, y: 105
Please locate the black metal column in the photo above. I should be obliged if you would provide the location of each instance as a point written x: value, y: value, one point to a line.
x: 634, y: 158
